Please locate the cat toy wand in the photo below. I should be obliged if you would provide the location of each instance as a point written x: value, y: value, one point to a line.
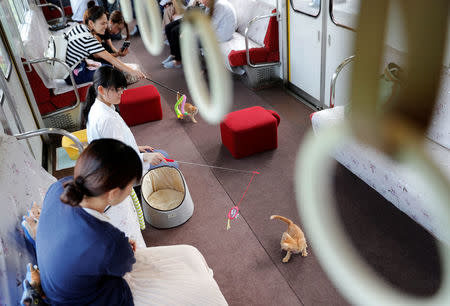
x: 233, y: 213
x: 181, y: 98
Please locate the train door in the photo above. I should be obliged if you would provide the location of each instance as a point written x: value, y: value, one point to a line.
x: 305, y: 48
x: 341, y: 36
x: 16, y: 111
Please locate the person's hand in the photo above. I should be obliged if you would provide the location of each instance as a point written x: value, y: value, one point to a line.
x: 144, y: 149
x: 153, y: 158
x: 133, y: 244
x: 138, y: 74
x: 124, y: 52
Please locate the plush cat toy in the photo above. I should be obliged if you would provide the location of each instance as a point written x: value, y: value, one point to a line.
x: 32, y: 290
x: 293, y: 240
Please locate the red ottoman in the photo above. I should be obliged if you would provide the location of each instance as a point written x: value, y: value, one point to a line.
x: 141, y: 104
x: 249, y: 131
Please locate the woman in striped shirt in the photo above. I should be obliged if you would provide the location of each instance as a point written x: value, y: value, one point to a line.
x: 83, y: 43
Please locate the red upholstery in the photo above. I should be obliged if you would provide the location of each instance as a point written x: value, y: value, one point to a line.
x: 141, y: 104
x: 249, y: 131
x: 268, y: 53
x: 52, y: 13
x: 48, y: 102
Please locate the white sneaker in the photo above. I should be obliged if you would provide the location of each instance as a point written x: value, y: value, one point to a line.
x: 168, y: 59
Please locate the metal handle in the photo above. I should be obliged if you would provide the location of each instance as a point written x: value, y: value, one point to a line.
x: 334, y: 78
x: 247, y: 50
x: 61, y: 11
x: 72, y: 79
x: 46, y: 131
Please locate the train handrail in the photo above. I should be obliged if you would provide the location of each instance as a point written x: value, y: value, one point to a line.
x: 46, y: 131
x: 247, y: 50
x: 72, y: 79
x: 334, y: 78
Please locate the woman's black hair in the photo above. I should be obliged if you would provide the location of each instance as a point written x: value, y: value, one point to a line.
x: 104, y: 165
x: 107, y: 77
x: 93, y: 13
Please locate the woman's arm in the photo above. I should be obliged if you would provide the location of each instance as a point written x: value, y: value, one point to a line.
x: 118, y: 64
x: 115, y: 51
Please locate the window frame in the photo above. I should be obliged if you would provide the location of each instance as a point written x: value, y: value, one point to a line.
x: 305, y: 13
x: 334, y: 19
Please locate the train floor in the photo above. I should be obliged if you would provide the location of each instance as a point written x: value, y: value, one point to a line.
x: 246, y: 259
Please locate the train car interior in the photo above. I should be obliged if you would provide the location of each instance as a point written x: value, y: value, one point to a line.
x: 324, y: 119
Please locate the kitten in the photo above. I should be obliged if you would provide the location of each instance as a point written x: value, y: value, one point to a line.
x: 191, y: 111
x: 33, y: 294
x: 293, y: 240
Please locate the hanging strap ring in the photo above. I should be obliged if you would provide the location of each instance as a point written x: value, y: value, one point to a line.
x: 149, y: 20
x: 214, y: 105
x: 345, y: 267
x: 127, y: 10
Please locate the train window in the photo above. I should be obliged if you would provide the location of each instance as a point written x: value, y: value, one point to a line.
x: 19, y: 8
x: 308, y: 7
x: 345, y: 13
x: 5, y: 63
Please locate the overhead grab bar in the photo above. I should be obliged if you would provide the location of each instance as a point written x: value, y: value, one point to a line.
x: 46, y: 131
x: 335, y: 76
x: 247, y: 50
x: 215, y: 104
x: 151, y: 34
x: 72, y: 79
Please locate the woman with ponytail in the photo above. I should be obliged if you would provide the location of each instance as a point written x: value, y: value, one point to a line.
x: 86, y: 260
x: 102, y: 121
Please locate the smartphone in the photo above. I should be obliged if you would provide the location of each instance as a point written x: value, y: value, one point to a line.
x: 125, y: 45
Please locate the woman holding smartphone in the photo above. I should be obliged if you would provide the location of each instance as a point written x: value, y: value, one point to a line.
x: 116, y: 24
x: 83, y: 43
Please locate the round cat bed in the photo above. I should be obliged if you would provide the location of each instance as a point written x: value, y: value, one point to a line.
x: 166, y: 199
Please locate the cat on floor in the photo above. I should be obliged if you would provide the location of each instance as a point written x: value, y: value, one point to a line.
x: 293, y: 240
x: 191, y: 111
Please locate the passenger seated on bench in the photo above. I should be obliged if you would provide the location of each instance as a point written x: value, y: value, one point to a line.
x: 78, y: 8
x: 81, y: 48
x: 102, y: 121
x: 224, y: 23
x: 83, y: 259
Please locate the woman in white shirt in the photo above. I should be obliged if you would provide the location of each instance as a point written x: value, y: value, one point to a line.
x: 102, y: 120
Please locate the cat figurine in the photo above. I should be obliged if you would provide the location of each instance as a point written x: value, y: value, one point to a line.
x: 191, y: 111
x: 293, y: 240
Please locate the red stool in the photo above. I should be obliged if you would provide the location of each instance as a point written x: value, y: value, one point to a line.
x: 249, y: 131
x: 141, y: 104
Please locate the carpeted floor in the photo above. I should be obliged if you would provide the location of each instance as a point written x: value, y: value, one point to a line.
x: 247, y: 259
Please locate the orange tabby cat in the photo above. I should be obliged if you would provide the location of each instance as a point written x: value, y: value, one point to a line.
x: 191, y: 111
x: 293, y: 240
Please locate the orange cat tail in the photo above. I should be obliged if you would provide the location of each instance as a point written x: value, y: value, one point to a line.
x: 284, y: 219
